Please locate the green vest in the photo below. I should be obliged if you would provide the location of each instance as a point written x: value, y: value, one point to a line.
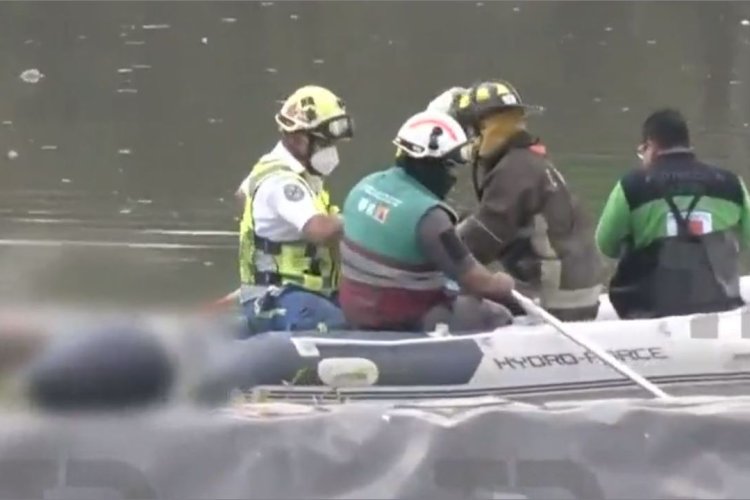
x: 382, y: 211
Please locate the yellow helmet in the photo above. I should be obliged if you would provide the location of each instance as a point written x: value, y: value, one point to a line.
x: 487, y: 98
x: 318, y: 111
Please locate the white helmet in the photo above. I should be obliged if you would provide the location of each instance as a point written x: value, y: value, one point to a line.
x: 446, y: 102
x: 432, y: 134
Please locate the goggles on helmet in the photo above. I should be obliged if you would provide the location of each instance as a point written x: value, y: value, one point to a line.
x: 340, y: 127
x: 460, y: 155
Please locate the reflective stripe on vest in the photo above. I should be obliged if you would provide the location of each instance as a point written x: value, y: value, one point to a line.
x: 266, y: 262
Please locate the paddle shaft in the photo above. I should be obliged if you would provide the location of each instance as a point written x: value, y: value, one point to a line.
x: 224, y: 302
x: 610, y: 360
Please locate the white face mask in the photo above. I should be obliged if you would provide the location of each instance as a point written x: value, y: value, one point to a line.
x: 325, y: 160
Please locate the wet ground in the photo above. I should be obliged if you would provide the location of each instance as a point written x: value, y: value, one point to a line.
x: 126, y: 127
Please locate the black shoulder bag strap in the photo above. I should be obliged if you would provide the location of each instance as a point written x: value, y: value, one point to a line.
x: 683, y: 229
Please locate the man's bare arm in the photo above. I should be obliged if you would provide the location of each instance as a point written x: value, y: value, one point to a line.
x: 323, y: 229
x: 445, y: 249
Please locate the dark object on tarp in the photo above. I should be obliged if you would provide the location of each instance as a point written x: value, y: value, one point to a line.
x: 108, y: 369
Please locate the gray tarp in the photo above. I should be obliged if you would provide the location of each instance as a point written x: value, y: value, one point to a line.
x: 471, y: 449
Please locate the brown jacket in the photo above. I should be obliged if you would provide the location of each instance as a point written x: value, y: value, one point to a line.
x: 529, y: 221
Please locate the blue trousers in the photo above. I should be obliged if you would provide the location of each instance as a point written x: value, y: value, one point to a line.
x: 292, y: 308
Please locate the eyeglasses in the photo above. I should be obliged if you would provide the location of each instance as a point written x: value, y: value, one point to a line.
x: 640, y: 151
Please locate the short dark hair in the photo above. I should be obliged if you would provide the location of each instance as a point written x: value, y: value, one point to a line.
x: 667, y: 128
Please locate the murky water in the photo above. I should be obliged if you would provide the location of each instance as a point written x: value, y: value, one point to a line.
x: 125, y: 127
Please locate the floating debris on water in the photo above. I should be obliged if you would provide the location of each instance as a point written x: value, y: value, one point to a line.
x: 479, y: 4
x: 32, y: 75
x: 135, y: 42
x: 221, y: 200
x: 141, y: 66
x: 266, y: 4
x: 155, y: 26
x: 293, y: 17
x: 272, y: 70
x: 65, y: 180
x: 81, y: 37
x: 318, y: 61
x: 745, y: 22
x: 12, y: 154
x: 735, y: 82
x: 390, y: 42
x: 597, y: 99
x: 516, y: 9
x: 144, y: 201
x: 124, y: 151
x: 625, y: 109
x: 48, y: 147
x: 7, y: 122
x: 204, y: 40
x: 127, y: 91
x: 651, y: 42
x: 215, y: 120
x: 608, y: 29
x: 29, y: 41
x: 124, y: 70
x: 208, y: 263
x: 228, y: 19
x: 125, y: 211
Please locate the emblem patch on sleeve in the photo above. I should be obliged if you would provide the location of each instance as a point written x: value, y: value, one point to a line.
x: 293, y: 192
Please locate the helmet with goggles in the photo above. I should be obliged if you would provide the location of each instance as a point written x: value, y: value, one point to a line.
x: 317, y: 111
x: 435, y: 135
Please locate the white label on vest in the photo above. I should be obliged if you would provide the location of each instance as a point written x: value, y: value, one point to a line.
x: 366, y: 206
x: 699, y: 223
x: 377, y: 211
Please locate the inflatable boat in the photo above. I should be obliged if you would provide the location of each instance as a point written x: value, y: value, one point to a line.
x: 524, y: 359
x: 528, y: 356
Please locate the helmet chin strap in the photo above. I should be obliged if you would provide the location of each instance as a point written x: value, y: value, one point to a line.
x: 293, y: 146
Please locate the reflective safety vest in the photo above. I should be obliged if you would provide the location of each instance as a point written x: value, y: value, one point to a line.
x: 264, y: 262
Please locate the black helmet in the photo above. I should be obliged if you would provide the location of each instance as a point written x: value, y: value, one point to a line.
x: 487, y: 98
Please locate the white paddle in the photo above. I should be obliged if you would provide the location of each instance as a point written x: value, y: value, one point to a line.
x: 531, y: 307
